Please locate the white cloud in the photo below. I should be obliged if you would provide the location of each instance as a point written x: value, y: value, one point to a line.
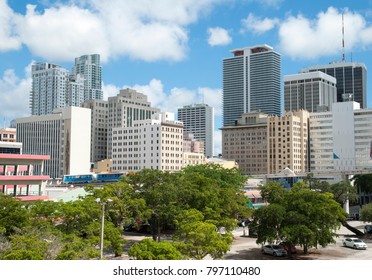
x: 218, y: 36
x: 271, y: 3
x: 62, y: 33
x: 15, y: 94
x: 143, y: 29
x: 301, y: 37
x: 178, y: 97
x: 109, y: 90
x: 8, y: 40
x: 258, y: 25
x: 212, y: 97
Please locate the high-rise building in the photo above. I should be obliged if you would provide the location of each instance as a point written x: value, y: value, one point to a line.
x: 199, y: 120
x: 268, y: 144
x: 155, y: 143
x: 63, y: 135
x: 98, y: 143
x: 288, y: 142
x: 351, y: 80
x: 49, y: 87
x: 89, y: 66
x: 125, y: 108
x: 312, y: 91
x: 54, y: 87
x: 75, y: 90
x: 251, y: 82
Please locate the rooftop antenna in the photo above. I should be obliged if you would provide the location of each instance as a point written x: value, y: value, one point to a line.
x: 202, y: 93
x: 343, y: 41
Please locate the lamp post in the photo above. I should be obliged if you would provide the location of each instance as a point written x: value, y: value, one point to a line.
x: 98, y: 200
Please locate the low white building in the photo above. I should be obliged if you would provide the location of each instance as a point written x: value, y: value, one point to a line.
x: 64, y: 135
x: 155, y: 144
x: 341, y: 140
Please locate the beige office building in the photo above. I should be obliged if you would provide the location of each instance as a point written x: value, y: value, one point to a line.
x: 288, y: 142
x: 263, y: 144
x: 246, y: 143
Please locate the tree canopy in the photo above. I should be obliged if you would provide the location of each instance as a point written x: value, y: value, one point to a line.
x: 298, y: 216
x: 210, y: 194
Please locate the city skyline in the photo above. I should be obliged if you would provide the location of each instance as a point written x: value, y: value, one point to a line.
x: 172, y: 55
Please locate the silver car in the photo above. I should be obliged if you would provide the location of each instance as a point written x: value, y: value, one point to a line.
x: 275, y: 250
x: 355, y: 243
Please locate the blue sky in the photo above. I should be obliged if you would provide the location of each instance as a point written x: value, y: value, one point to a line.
x: 172, y: 50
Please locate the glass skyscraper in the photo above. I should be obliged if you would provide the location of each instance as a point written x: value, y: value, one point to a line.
x: 351, y: 80
x: 251, y: 82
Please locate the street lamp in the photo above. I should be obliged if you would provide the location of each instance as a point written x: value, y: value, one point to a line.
x: 103, y: 203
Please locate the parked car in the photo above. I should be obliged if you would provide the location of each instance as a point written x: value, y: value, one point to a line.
x: 292, y: 249
x: 275, y: 250
x: 368, y: 229
x: 355, y: 243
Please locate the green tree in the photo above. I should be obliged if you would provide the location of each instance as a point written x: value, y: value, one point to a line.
x: 77, y: 248
x: 82, y: 218
x: 196, y: 238
x: 125, y: 207
x: 13, y: 215
x: 366, y: 213
x: 363, y: 184
x: 273, y: 191
x: 160, y: 191
x: 342, y: 191
x: 216, y: 192
x: 148, y: 249
x: 299, y: 216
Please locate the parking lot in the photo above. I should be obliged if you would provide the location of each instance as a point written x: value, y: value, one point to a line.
x: 245, y: 248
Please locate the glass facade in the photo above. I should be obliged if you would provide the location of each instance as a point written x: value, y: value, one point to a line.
x: 351, y: 80
x: 251, y: 82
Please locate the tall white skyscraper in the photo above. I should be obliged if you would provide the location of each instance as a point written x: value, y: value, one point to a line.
x: 199, y: 119
x: 54, y: 87
x: 251, y: 82
x: 49, y: 88
x: 90, y: 67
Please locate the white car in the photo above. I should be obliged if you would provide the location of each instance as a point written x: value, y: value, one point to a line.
x: 355, y: 243
x: 275, y: 250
